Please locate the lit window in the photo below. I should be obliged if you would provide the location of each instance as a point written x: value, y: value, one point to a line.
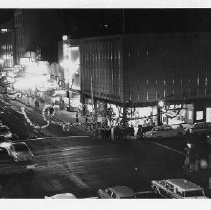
x: 199, y: 115
x: 4, y: 30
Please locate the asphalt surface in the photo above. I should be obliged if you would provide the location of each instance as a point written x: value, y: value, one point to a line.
x: 81, y: 165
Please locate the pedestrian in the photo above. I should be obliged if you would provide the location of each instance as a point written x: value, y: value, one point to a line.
x: 76, y: 117
x: 140, y: 131
x: 63, y: 126
x: 112, y: 133
x: 132, y: 130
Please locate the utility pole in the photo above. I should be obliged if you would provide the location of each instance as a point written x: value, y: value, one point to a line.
x: 123, y: 21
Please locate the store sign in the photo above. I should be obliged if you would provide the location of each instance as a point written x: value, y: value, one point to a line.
x: 208, y: 114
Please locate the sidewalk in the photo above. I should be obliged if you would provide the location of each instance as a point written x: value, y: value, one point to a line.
x: 60, y: 115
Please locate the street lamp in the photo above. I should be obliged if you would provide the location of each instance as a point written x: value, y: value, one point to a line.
x: 161, y: 104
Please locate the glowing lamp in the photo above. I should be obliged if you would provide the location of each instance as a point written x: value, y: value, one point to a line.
x: 64, y: 38
x: 161, y: 103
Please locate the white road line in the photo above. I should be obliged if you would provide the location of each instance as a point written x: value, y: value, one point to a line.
x: 55, y: 137
x: 169, y: 148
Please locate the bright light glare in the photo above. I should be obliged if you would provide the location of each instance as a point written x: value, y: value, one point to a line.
x: 30, y: 82
x: 161, y: 103
x: 64, y: 38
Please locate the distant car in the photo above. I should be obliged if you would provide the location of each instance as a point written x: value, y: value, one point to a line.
x: 5, y: 132
x: 178, y: 188
x: 116, y: 192
x: 163, y: 131
x: 201, y: 128
x: 14, y: 95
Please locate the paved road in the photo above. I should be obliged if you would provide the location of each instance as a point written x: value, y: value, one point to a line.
x: 81, y: 165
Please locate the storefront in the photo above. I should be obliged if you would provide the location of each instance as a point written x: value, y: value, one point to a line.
x: 177, y: 113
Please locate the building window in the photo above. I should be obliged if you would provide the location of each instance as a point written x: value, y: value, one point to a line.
x: 199, y: 115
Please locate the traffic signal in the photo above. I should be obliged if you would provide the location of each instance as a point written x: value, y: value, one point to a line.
x: 68, y: 94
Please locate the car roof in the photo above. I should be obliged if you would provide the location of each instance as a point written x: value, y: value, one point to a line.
x: 162, y: 126
x: 20, y: 143
x: 62, y: 196
x: 184, y: 184
x: 4, y: 126
x: 122, y: 191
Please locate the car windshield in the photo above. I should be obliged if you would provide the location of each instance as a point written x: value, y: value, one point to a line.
x: 20, y: 148
x: 3, y: 129
x: 193, y: 193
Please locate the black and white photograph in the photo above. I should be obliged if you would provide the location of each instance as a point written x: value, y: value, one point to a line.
x: 105, y: 103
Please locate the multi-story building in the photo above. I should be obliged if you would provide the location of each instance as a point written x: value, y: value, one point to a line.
x: 139, y: 70
x: 7, y: 43
x: 38, y: 31
x: 69, y: 62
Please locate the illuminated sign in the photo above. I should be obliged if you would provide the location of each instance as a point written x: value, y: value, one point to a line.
x: 208, y: 114
x: 64, y: 38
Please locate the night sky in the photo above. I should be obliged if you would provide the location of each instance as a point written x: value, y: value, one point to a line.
x: 83, y: 22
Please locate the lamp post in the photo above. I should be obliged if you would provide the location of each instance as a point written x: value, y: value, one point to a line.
x: 159, y: 111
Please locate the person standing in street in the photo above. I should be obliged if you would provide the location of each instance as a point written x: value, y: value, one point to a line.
x: 76, y: 119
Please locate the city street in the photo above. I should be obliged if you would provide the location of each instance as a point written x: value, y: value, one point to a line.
x: 78, y: 164
x: 81, y: 165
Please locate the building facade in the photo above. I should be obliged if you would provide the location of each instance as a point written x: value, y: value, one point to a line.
x: 7, y: 45
x: 139, y: 70
x: 38, y: 31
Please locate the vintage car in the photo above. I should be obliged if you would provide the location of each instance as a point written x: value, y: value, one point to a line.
x: 163, y: 131
x: 20, y: 152
x: 178, y: 188
x: 201, y: 128
x: 116, y: 192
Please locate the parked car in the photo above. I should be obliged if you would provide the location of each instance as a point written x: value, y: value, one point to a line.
x: 201, y: 128
x: 5, y: 132
x: 13, y: 95
x: 183, y: 127
x: 163, y: 131
x: 178, y: 188
x: 20, y: 152
x: 116, y: 192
